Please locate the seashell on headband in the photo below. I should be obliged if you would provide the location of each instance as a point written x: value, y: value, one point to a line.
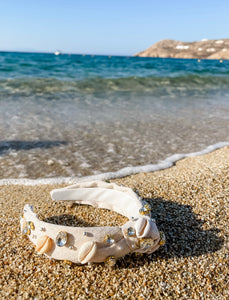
x: 95, y: 244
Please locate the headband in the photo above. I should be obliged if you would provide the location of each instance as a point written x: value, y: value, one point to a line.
x: 95, y: 244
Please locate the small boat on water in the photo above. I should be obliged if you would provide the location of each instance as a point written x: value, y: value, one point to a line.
x: 57, y: 52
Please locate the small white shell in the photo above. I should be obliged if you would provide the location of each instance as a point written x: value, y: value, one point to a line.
x: 44, y: 244
x: 87, y: 252
x: 142, y: 227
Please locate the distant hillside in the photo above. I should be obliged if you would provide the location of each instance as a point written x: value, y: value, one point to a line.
x: 205, y: 49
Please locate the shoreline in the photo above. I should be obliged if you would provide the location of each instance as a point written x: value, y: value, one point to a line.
x: 190, y: 204
x: 127, y: 171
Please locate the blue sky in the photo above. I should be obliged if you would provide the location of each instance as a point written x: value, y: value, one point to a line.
x: 107, y: 27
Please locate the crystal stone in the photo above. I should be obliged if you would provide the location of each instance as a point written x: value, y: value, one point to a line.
x: 135, y: 246
x: 61, y: 238
x: 111, y: 260
x: 31, y: 225
x: 26, y: 230
x: 131, y: 231
x: 146, y: 243
x: 109, y: 239
x: 162, y: 238
x: 145, y: 209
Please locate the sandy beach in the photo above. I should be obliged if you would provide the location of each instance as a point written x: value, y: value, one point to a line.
x: 190, y: 204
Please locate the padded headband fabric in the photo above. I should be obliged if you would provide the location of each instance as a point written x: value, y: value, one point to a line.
x: 95, y: 244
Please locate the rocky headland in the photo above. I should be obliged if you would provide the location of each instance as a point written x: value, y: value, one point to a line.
x: 204, y: 49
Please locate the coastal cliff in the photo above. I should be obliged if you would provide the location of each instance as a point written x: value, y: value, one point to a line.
x: 204, y: 49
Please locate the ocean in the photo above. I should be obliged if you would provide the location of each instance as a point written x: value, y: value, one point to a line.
x: 75, y: 115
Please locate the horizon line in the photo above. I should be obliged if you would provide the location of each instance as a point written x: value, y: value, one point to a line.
x: 63, y: 53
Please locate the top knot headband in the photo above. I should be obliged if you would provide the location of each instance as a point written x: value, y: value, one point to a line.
x: 95, y: 244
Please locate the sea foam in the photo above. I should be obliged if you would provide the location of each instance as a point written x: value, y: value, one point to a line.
x: 164, y: 164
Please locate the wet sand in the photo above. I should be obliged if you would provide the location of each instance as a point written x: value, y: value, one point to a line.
x: 190, y: 204
x: 54, y: 149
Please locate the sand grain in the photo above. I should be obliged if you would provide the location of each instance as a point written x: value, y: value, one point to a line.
x: 190, y: 204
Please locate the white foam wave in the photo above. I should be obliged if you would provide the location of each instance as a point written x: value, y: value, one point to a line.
x: 165, y: 164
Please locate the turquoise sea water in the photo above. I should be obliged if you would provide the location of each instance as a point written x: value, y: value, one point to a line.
x: 74, y: 115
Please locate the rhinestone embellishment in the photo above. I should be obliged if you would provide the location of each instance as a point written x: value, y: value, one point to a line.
x: 109, y: 239
x: 145, y: 209
x: 27, y: 227
x: 61, y: 238
x: 31, y: 225
x: 26, y: 230
x: 146, y: 243
x: 162, y: 238
x: 111, y: 260
x: 131, y: 231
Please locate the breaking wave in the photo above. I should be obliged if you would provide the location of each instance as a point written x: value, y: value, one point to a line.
x: 164, y: 164
x: 188, y: 85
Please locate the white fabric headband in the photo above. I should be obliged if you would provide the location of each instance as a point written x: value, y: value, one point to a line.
x: 95, y: 244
